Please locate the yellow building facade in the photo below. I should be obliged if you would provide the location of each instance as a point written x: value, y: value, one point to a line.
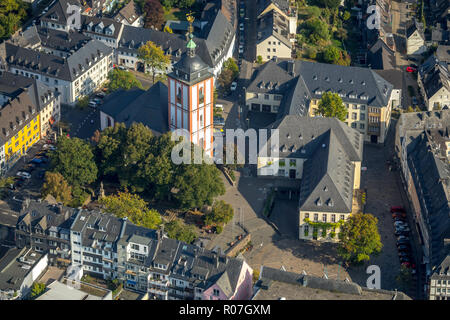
x: 19, y: 144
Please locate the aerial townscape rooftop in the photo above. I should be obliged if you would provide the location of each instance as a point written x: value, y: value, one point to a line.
x: 224, y: 150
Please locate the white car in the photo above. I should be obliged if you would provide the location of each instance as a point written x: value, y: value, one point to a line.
x: 241, y: 49
x: 233, y: 86
x: 241, y: 26
x: 26, y: 175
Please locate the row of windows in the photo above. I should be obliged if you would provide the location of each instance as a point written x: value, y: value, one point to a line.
x: 325, y: 217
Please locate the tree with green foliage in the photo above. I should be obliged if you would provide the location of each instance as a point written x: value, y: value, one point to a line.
x: 5, y: 184
x: 74, y: 160
x: 154, y: 58
x: 331, y: 106
x: 109, y: 149
x: 315, y: 30
x: 221, y: 214
x: 359, y: 238
x: 332, y: 54
x: 37, y: 289
x: 198, y: 184
x: 346, y: 15
x: 330, y: 4
x: 177, y: 230
x: 83, y: 102
x: 405, y: 278
x: 125, y: 204
x: 12, y: 12
x: 153, y: 14
x: 55, y: 185
x: 225, y: 79
x: 230, y: 64
x: 122, y: 79
x: 259, y: 59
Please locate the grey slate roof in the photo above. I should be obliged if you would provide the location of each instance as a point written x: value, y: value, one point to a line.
x: 61, y: 40
x: 273, y: 24
x: 48, y: 216
x: 47, y: 64
x: 140, y: 106
x: 300, y: 81
x: 434, y: 75
x: 442, y: 272
x: 415, y: 25
x: 12, y: 274
x: 329, y: 147
x: 88, y: 223
x: 57, y: 13
x: 130, y: 12
x: 100, y: 26
x: 380, y: 56
x: 443, y: 53
x: 263, y: 4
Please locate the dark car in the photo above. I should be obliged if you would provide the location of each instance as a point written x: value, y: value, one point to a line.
x: 219, y: 121
x: 412, y: 65
x: 402, y: 241
x: 41, y: 174
x: 404, y: 247
x: 403, y: 254
x: 399, y: 218
x: 404, y: 259
x: 397, y: 209
x: 29, y: 168
x: 401, y: 233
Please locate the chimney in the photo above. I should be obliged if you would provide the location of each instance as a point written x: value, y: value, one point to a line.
x: 290, y: 68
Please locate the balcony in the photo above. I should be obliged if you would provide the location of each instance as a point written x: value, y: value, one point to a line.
x: 164, y: 282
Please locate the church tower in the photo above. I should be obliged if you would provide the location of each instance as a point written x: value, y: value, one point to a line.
x: 191, y: 94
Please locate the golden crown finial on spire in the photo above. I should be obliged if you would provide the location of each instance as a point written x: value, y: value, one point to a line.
x: 189, y: 17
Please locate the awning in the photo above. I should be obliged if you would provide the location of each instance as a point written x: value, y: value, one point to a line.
x: 63, y: 260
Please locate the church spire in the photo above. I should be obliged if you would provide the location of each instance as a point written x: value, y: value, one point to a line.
x: 191, y: 44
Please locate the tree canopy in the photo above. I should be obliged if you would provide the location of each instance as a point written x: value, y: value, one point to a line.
x: 177, y: 230
x: 12, y: 12
x: 74, y: 160
x: 359, y: 238
x: 55, y: 185
x: 198, y: 184
x: 122, y: 79
x: 133, y: 207
x: 154, y: 57
x: 331, y: 106
x: 315, y: 30
x: 220, y: 214
x: 154, y: 14
x: 37, y: 289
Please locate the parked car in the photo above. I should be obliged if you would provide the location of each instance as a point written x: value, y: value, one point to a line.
x: 397, y: 209
x: 241, y: 48
x: 402, y: 229
x: 23, y: 174
x: 36, y: 161
x: 241, y: 26
x: 412, y: 65
x: 122, y: 68
x: 402, y: 241
x: 399, y: 215
x: 241, y: 12
x: 410, y: 265
x: 402, y: 237
x: 403, y: 253
x: 404, y: 247
x: 399, y: 218
x: 241, y: 38
x: 414, y: 101
x: 100, y: 94
x: 401, y: 233
x: 92, y: 104
x: 98, y: 101
x: 411, y: 69
x: 219, y: 121
x: 404, y: 259
x: 400, y: 223
x: 233, y: 86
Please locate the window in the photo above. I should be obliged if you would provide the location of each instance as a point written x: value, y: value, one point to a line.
x: 216, y: 292
x: 277, y: 97
x: 179, y: 93
x: 324, y: 218
x: 292, y: 162
x: 281, y: 172
x: 306, y: 215
x: 354, y: 115
x: 354, y: 125
x: 355, y: 106
x: 361, y: 126
x: 201, y: 96
x: 362, y: 116
x: 274, y: 50
x: 363, y: 107
x: 342, y: 217
x: 135, y: 246
x: 316, y: 217
x: 333, y: 218
x: 266, y: 97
